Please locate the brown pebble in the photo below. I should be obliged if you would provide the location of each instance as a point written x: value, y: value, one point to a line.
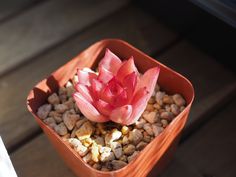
x: 174, y: 109
x: 133, y: 156
x: 118, y: 164
x: 179, y: 100
x: 53, y: 99
x: 167, y: 115
x: 141, y: 145
x: 61, y: 129
x: 129, y: 149
x: 44, y: 110
x: 60, y: 108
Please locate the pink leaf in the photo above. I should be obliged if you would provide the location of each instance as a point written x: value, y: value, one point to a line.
x: 139, y: 104
x: 129, y: 84
x: 84, y: 91
x: 85, y: 76
x: 121, y: 114
x: 88, y: 110
x: 110, y: 62
x: 127, y: 67
x: 148, y: 80
x: 104, y: 75
x: 104, y: 107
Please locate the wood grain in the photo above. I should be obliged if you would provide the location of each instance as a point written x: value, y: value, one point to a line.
x: 214, y: 85
x: 30, y: 161
x: 130, y: 24
x: 47, y: 24
x: 212, y: 148
x: 10, y: 8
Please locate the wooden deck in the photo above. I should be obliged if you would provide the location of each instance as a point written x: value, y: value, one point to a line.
x: 38, y: 36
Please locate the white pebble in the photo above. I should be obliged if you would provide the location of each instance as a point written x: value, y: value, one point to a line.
x: 78, y: 146
x: 114, y: 135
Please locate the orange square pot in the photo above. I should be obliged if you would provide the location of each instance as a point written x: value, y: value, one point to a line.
x: 158, y: 152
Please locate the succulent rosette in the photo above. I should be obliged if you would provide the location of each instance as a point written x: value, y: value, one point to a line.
x: 118, y: 92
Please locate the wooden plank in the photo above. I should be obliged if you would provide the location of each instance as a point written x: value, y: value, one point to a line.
x: 130, y: 24
x: 11, y: 7
x: 47, y: 24
x: 213, y: 86
x: 177, y: 167
x: 212, y: 148
x: 30, y: 161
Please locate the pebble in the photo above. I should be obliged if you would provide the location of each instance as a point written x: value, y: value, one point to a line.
x: 135, y: 136
x: 95, y: 152
x: 108, y: 146
x: 159, y: 96
x: 56, y: 116
x: 167, y: 99
x: 60, y: 108
x: 147, y: 127
x: 179, y: 100
x: 97, y: 166
x: 116, y: 149
x: 112, y: 136
x: 149, y: 107
x: 118, y: 164
x: 69, y: 89
x: 69, y: 103
x: 130, y: 158
x: 151, y: 117
x: 85, y: 131
x: 99, y: 140
x: 174, y: 109
x: 139, y: 124
x: 73, y: 135
x: 80, y: 122
x: 164, y: 123
x: 54, y: 99
x: 167, y: 115
x: 50, y: 122
x: 129, y: 149
x: 107, y: 156
x: 87, y: 158
x: 70, y: 119
x: 78, y: 146
x: 44, y: 110
x: 61, y: 129
x: 87, y: 142
x: 125, y: 130
x: 123, y: 158
x: 125, y: 140
x: 141, y: 145
x: 157, y: 129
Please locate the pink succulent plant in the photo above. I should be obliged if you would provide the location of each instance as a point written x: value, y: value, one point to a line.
x: 118, y: 93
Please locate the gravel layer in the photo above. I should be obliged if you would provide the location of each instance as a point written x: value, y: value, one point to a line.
x: 108, y: 146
